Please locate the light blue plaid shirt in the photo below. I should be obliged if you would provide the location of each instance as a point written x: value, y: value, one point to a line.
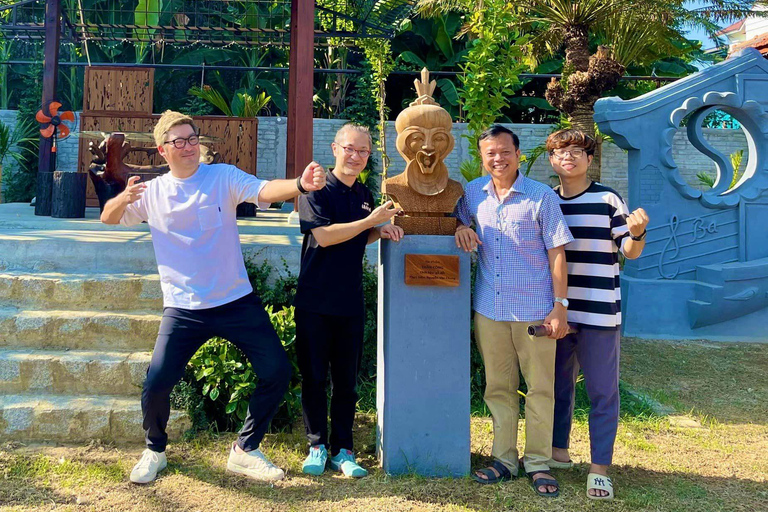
x: 513, y: 281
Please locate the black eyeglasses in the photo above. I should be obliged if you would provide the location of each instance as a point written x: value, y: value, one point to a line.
x: 179, y: 143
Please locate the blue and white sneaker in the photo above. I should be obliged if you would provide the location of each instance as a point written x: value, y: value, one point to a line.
x: 314, y: 464
x: 345, y: 462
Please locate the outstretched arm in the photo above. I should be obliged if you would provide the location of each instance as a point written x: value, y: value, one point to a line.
x: 313, y: 178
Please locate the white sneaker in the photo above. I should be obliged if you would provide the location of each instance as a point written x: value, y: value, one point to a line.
x: 254, y: 464
x: 150, y: 464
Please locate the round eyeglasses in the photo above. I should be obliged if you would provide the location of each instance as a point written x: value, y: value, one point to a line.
x: 179, y: 143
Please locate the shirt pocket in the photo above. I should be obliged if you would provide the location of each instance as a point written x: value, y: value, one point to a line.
x: 524, y: 231
x: 209, y: 217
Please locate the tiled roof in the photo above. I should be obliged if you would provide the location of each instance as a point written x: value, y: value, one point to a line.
x: 759, y: 42
x: 733, y: 27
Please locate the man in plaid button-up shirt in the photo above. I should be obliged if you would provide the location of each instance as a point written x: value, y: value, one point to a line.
x: 522, y: 280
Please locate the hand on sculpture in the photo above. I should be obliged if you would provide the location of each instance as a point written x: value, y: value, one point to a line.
x: 384, y: 213
x: 133, y: 190
x: 392, y: 232
x: 637, y: 221
x: 313, y: 177
x: 557, y: 319
x: 466, y: 238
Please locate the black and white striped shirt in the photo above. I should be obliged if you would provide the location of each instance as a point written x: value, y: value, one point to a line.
x: 597, y: 219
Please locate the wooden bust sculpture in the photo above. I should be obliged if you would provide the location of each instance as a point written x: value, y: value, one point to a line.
x: 424, y: 191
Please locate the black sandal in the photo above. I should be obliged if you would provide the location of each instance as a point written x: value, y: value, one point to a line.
x: 495, y: 473
x: 541, y: 481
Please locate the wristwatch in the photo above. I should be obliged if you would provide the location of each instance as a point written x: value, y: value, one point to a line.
x: 638, y: 238
x: 563, y: 301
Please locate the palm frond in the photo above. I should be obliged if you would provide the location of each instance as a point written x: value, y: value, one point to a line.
x: 435, y: 8
x: 638, y: 38
x: 562, y: 14
x: 213, y: 97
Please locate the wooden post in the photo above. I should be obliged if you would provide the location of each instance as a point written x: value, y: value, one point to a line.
x: 50, y: 73
x: 300, y: 87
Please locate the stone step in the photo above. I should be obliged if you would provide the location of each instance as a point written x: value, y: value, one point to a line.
x: 72, y: 371
x: 43, y: 244
x: 56, y: 290
x: 77, y: 419
x: 108, y: 330
x: 73, y: 251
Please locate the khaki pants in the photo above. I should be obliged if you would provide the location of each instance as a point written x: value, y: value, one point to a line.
x: 505, y: 347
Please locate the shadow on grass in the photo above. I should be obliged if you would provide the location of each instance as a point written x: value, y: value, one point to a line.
x: 636, y: 488
x: 31, y: 493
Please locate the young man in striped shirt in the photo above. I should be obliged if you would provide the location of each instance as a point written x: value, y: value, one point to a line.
x: 601, y: 226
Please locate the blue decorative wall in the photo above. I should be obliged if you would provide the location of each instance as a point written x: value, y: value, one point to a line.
x: 704, y: 271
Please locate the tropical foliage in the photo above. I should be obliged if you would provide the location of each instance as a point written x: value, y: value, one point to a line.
x: 475, y: 49
x: 627, y: 32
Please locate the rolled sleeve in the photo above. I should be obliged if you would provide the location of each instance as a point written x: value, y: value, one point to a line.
x: 554, y: 229
x: 246, y: 187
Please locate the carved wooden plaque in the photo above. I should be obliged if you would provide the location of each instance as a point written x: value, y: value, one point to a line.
x: 431, y: 270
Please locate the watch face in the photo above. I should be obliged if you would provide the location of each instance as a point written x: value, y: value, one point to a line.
x: 564, y: 302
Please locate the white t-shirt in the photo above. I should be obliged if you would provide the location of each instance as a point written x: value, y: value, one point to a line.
x: 194, y: 234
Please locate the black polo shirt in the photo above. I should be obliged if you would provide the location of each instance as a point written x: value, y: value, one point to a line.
x: 331, y: 278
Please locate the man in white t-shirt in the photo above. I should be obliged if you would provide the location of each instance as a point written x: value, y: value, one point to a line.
x: 191, y: 215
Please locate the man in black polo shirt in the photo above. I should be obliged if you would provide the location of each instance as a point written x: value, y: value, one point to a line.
x: 338, y: 222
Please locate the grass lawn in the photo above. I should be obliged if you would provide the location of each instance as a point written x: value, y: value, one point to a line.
x: 710, y: 453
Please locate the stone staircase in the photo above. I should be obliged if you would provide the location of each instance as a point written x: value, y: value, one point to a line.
x: 80, y: 307
x: 74, y: 350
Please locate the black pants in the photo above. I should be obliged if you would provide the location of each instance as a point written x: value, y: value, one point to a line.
x: 323, y: 341
x: 182, y: 331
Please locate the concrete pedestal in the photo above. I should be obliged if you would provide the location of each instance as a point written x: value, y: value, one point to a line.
x: 423, y: 364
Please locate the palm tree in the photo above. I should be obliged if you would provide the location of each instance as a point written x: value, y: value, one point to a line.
x: 631, y: 32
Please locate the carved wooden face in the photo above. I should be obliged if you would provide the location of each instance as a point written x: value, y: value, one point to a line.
x: 426, y: 146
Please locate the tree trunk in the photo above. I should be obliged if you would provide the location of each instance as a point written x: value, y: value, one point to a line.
x: 576, y: 43
x: 582, y: 119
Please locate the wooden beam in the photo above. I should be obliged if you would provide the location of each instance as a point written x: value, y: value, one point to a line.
x: 300, y: 87
x: 50, y: 74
